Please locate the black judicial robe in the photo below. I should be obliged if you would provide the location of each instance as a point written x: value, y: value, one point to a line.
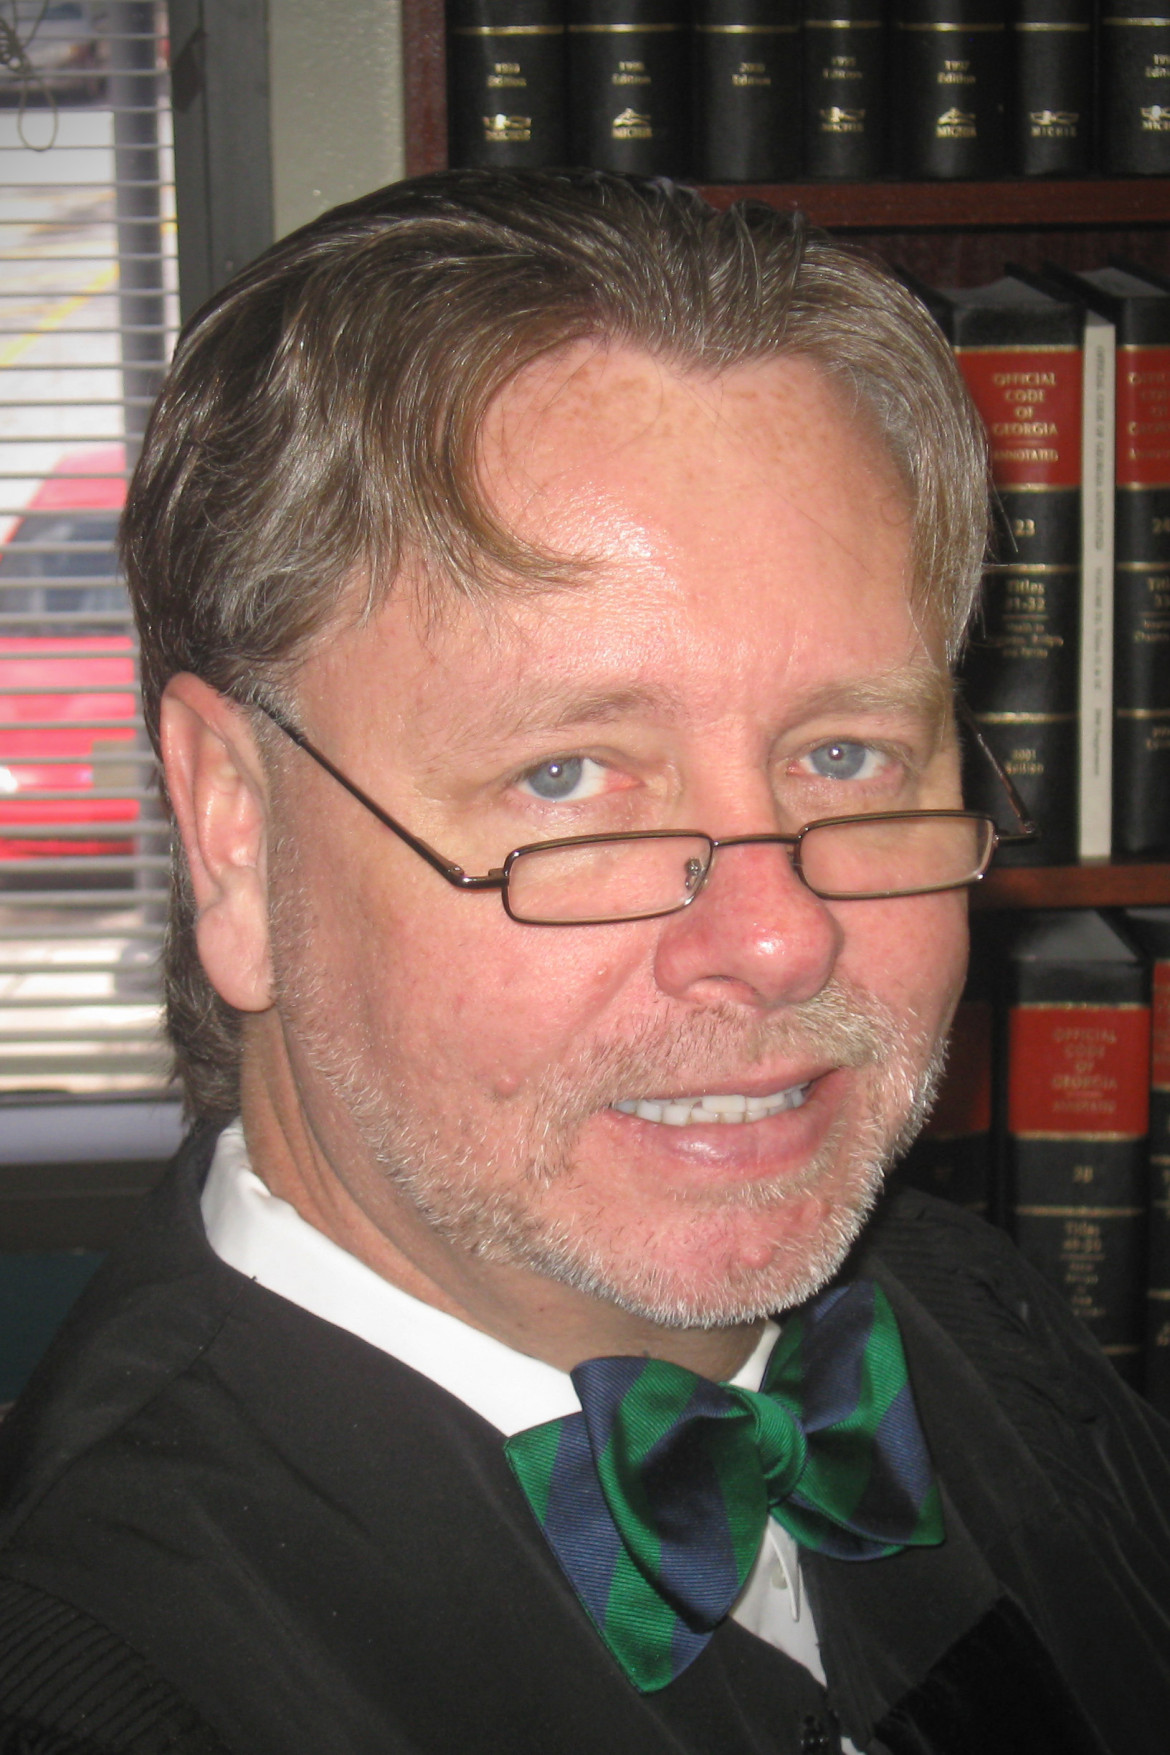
x: 229, y: 1526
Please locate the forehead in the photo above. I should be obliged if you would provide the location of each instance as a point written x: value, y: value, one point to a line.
x: 596, y: 430
x: 734, y: 527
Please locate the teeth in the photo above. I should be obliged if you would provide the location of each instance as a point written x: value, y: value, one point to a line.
x: 696, y: 1111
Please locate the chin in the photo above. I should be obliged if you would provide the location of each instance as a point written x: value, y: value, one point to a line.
x: 756, y: 1252
x: 723, y: 1269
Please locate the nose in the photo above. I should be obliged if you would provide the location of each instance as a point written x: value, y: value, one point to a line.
x: 756, y: 935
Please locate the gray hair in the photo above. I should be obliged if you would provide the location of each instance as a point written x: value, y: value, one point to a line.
x: 322, y: 418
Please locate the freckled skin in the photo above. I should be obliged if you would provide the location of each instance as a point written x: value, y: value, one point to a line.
x: 749, y: 549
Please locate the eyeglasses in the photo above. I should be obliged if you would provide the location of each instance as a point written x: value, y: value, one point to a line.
x: 599, y: 880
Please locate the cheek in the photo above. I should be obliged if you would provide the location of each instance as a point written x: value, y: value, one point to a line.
x: 910, y: 953
x: 463, y: 991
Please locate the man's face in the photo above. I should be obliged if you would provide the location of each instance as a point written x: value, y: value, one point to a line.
x: 739, y: 657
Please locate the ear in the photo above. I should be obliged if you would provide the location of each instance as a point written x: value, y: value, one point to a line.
x: 217, y: 789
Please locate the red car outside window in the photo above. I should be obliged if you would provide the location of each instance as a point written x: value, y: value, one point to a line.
x: 68, y: 699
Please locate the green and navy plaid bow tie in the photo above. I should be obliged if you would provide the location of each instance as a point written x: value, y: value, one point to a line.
x: 655, y: 1498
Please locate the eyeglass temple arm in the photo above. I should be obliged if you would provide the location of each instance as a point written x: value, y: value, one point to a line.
x: 494, y: 880
x: 1028, y: 830
x: 446, y: 868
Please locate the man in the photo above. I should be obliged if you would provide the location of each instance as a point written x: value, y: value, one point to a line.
x: 523, y: 563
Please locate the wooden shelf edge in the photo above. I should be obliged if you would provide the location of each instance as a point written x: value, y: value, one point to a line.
x: 1114, y: 202
x: 1101, y: 203
x: 1074, y: 886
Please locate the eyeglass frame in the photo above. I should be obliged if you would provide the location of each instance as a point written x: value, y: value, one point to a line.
x: 498, y: 877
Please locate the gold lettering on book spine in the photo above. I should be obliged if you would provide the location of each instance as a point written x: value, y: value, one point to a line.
x: 508, y: 30
x: 504, y: 128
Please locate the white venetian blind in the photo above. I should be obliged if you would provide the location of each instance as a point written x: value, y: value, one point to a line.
x: 88, y: 309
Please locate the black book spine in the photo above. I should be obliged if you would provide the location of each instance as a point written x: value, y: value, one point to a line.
x: 1151, y: 928
x: 1052, y: 96
x: 1139, y: 308
x: 629, y: 85
x: 949, y: 69
x: 844, y: 89
x: 747, y: 90
x: 1077, y: 1117
x: 954, y: 1154
x: 1021, y: 675
x: 1023, y: 365
x: 506, y: 83
x: 1141, y: 604
x: 1158, y: 1277
x: 1135, y: 89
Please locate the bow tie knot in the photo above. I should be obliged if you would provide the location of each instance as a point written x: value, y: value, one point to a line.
x: 656, y: 1497
x: 666, y: 1443
x: 776, y: 1438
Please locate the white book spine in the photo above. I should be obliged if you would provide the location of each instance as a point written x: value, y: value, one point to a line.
x: 1096, y: 692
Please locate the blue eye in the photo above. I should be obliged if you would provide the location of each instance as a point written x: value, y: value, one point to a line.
x: 557, y: 779
x: 841, y: 761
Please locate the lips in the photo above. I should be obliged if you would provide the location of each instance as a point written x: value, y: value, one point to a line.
x: 726, y: 1108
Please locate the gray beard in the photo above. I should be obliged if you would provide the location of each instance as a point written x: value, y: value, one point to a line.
x: 451, y: 1170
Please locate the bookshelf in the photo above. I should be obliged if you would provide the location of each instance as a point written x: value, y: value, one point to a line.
x: 1102, y: 202
x: 1143, y: 884
x: 952, y: 234
x: 957, y: 234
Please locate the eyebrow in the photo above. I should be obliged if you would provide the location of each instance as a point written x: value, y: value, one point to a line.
x: 549, y: 710
x: 918, y: 689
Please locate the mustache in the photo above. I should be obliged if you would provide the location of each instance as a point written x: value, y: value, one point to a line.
x: 841, y: 1026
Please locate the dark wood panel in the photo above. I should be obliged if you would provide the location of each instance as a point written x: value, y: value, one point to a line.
x: 1114, y: 203
x: 962, y: 234
x: 1074, y: 886
x: 424, y: 60
x: 958, y: 258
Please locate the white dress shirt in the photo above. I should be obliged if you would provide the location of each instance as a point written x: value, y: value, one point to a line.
x: 265, y: 1239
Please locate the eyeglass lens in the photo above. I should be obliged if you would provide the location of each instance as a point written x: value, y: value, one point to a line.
x: 607, y: 880
x: 897, y: 855
x: 636, y: 879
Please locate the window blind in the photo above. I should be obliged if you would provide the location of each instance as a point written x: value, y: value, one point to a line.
x: 88, y: 310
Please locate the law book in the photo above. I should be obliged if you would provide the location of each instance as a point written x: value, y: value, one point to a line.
x: 845, y: 83
x: 1138, y: 306
x: 1078, y: 1056
x: 1098, y: 429
x: 1095, y: 703
x: 506, y: 83
x: 1021, y: 353
x: 629, y: 85
x: 747, y: 111
x: 1135, y: 89
x: 948, y: 87
x: 1150, y: 927
x: 954, y: 1155
x: 1052, y: 88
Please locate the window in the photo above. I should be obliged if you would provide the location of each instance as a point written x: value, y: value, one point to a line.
x: 88, y: 309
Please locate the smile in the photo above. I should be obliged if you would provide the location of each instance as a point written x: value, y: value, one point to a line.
x: 702, y: 1111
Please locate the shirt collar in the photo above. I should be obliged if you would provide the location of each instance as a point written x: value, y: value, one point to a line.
x: 264, y: 1238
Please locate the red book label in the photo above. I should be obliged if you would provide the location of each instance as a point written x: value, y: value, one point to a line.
x: 1080, y: 1070
x: 964, y: 1098
x: 1160, y: 1027
x: 1143, y: 417
x: 1030, y: 400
